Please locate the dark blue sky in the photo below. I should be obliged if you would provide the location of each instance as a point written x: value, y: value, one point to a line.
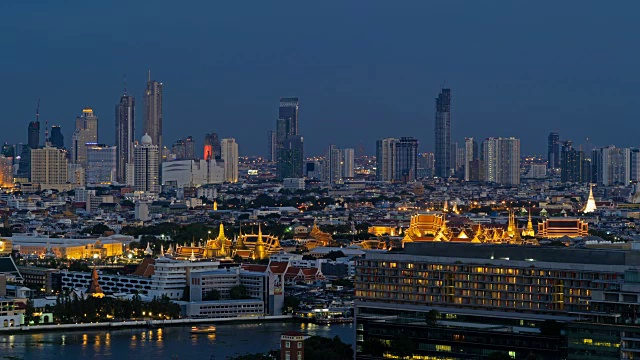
x: 362, y: 69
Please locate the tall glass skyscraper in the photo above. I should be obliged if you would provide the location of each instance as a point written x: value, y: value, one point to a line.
x: 125, y: 134
x: 289, y: 143
x: 153, y: 112
x: 34, y: 134
x: 57, y: 139
x: 443, y: 134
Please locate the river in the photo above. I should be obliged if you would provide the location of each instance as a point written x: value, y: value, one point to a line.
x: 160, y: 343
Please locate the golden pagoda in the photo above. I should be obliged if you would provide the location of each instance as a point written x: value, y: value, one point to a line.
x: 512, y: 227
x: 259, y: 251
x: 529, y: 232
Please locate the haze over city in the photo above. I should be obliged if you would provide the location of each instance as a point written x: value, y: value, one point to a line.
x: 361, y: 72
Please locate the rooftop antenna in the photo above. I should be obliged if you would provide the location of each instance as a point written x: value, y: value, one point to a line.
x: 149, y: 75
x: 125, y: 84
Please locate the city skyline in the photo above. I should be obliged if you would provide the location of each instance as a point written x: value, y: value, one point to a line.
x: 517, y: 83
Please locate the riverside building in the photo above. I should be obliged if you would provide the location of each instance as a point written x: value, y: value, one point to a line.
x: 468, y: 301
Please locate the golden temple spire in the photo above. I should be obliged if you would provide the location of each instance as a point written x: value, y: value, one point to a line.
x: 529, y: 230
x: 511, y: 228
x: 221, y: 232
x: 259, y: 249
x: 215, y: 205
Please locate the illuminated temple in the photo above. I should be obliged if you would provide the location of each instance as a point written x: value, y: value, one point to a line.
x: 433, y: 227
x: 320, y: 238
x: 256, y: 246
x: 219, y: 247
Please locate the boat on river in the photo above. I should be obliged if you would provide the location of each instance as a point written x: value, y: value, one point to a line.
x: 203, y: 330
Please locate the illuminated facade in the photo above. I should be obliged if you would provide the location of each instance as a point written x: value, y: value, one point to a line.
x: 257, y: 246
x: 383, y: 230
x: 6, y: 172
x: 562, y: 227
x: 219, y: 247
x: 49, y: 168
x: 476, y: 300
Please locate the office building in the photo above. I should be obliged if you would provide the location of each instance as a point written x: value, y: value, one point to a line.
x: 101, y: 164
x: 146, y: 166
x: 229, y: 154
x: 6, y: 172
x: 125, y: 134
x: 443, y: 154
x: 501, y: 157
x: 212, y: 147
x: 553, y: 150
x: 56, y: 139
x: 49, y: 168
x: 348, y: 162
x: 152, y: 123
x: 291, y: 158
x: 611, y: 165
x: 34, y: 134
x: 468, y: 157
x: 469, y: 301
x: 86, y: 132
x: 571, y: 161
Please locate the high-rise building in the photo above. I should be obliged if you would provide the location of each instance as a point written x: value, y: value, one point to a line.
x: 6, y: 172
x: 86, y: 132
x: 634, y: 167
x: 611, y: 165
x: 571, y: 161
x: 229, y: 154
x: 146, y: 166
x: 272, y: 149
x: 291, y: 158
x: 406, y: 161
x: 192, y: 173
x: 468, y: 157
x: 553, y: 150
x: 56, y: 139
x: 189, y: 148
x: 49, y: 167
x: 34, y: 134
x: 152, y: 124
x: 501, y: 157
x: 334, y: 165
x: 348, y: 162
x: 125, y: 134
x: 101, y: 164
x: 385, y: 159
x: 426, y: 165
x: 289, y: 113
x: 179, y: 149
x: 287, y: 130
x: 212, y: 147
x: 443, y: 134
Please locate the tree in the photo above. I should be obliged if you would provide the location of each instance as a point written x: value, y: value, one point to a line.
x: 402, y: 347
x: 239, y: 292
x: 290, y: 304
x: 373, y: 347
x: 211, y: 295
x: 333, y: 255
x: 432, y: 317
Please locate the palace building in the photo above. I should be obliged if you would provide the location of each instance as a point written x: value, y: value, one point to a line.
x: 220, y: 247
x: 256, y: 246
x: 561, y: 227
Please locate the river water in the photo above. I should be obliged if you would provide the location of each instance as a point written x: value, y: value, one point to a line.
x: 161, y: 343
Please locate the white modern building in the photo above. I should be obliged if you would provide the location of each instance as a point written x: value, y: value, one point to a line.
x: 181, y: 173
x: 146, y: 166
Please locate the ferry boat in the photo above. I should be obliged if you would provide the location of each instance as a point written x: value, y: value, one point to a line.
x: 203, y: 330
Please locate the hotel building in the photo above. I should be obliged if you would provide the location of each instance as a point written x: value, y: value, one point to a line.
x: 468, y: 301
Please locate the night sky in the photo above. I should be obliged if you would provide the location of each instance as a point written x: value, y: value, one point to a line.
x: 363, y: 70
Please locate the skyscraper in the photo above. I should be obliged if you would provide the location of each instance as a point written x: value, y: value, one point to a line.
x: 86, y: 132
x: 443, y: 134
x: 147, y: 163
x: 190, y: 148
x: 334, y: 165
x: 153, y: 112
x: 406, y: 162
x: 6, y: 171
x: 179, y: 149
x: 553, y: 150
x: 272, y: 148
x: 56, y: 139
x: 125, y: 134
x: 385, y: 159
x: 289, y: 113
x: 286, y: 128
x: 611, y: 165
x: 501, y: 157
x: 571, y: 163
x: 229, y: 154
x: 468, y: 157
x: 290, y: 158
x: 348, y: 161
x: 34, y: 134
x: 212, y: 147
